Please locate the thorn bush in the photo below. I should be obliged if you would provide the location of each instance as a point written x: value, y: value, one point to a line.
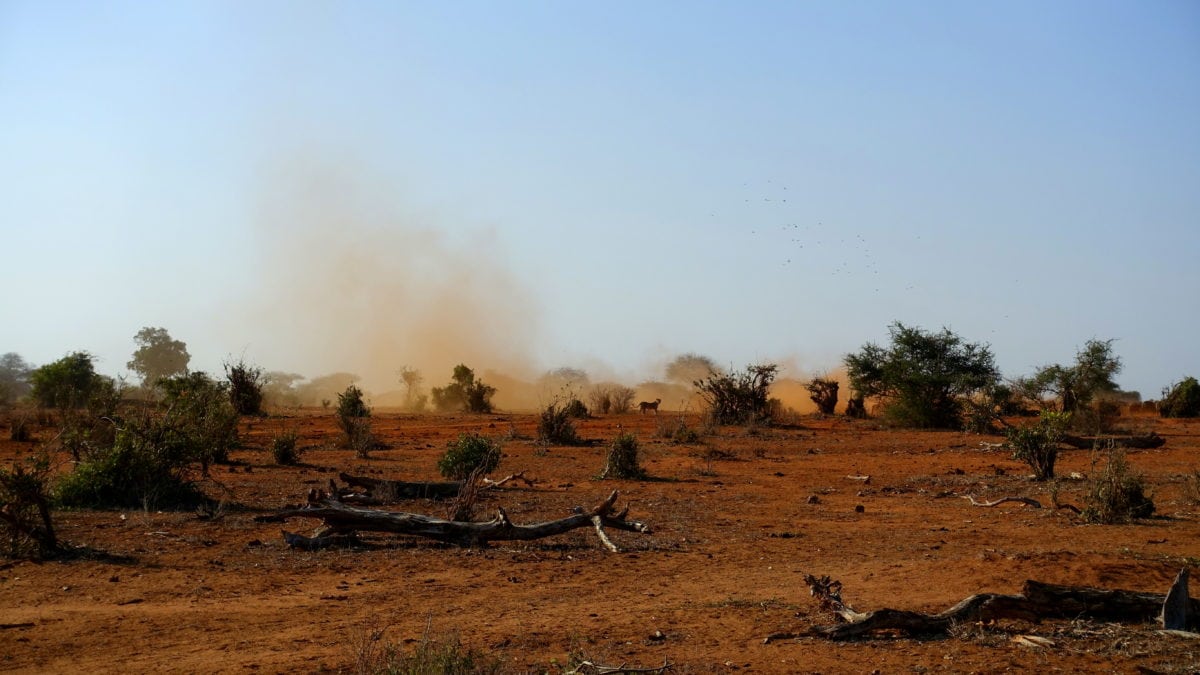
x: 1037, y: 444
x: 468, y: 453
x: 623, y: 459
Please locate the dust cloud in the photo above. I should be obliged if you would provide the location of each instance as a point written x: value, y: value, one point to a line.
x: 350, y: 287
x: 348, y: 282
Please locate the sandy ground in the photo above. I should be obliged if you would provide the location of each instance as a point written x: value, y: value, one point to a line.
x: 733, y: 535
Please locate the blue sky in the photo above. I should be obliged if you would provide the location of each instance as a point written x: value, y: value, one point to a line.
x: 358, y: 186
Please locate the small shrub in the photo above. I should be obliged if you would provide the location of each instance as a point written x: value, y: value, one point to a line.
x: 601, y: 399
x: 824, y: 393
x: 446, y: 656
x: 18, y: 429
x: 677, y: 430
x: 575, y: 408
x: 1191, y: 487
x: 622, y: 399
x: 856, y: 407
x: 623, y: 459
x: 1117, y: 495
x: 284, y: 449
x: 350, y: 403
x: 468, y: 453
x: 245, y: 388
x: 555, y: 426
x: 1181, y: 399
x: 1037, y: 444
x: 738, y: 398
x: 25, y: 523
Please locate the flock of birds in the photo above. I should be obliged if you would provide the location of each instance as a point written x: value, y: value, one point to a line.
x: 816, y: 246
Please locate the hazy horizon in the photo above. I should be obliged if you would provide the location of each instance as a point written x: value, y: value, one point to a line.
x: 521, y: 187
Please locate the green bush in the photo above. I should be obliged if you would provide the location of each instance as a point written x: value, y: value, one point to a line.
x: 1117, y: 495
x: 467, y: 453
x: 623, y: 460
x: 555, y: 426
x: 575, y: 408
x: 739, y: 398
x: 352, y: 418
x: 464, y: 393
x: 921, y: 377
x: 66, y: 383
x: 154, y: 451
x: 284, y: 449
x: 351, y: 404
x: 1037, y: 444
x: 824, y: 393
x: 1181, y: 399
x: 245, y: 388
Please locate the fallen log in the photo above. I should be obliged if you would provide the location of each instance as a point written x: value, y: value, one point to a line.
x: 1146, y: 442
x: 379, y: 491
x: 340, y: 519
x: 1037, y: 601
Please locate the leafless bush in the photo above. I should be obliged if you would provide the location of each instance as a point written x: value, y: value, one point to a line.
x: 622, y: 399
x: 25, y: 522
x: 1117, y: 495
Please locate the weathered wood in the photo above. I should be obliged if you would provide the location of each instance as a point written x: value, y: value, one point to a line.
x: 980, y: 607
x: 381, y: 489
x: 1146, y: 442
x: 1176, y: 610
x: 344, y: 519
x: 1037, y: 601
x: 1097, y: 603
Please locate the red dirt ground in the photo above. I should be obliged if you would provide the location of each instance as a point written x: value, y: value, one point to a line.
x: 732, y: 539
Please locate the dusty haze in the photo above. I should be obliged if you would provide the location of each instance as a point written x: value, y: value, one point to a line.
x: 350, y: 283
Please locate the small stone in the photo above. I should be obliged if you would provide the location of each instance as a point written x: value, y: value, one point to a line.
x: 860, y: 509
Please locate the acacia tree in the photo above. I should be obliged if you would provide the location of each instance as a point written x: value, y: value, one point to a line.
x: 1077, y: 385
x: 158, y: 355
x: 14, y: 377
x: 464, y: 393
x: 922, y: 377
x: 690, y: 367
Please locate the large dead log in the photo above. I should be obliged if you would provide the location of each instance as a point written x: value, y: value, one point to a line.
x: 379, y: 491
x: 383, y: 491
x: 1037, y: 601
x: 339, y: 518
x: 1146, y: 442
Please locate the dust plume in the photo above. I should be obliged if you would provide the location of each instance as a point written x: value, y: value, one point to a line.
x: 350, y: 281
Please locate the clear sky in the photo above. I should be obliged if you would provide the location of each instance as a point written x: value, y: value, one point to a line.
x: 321, y: 186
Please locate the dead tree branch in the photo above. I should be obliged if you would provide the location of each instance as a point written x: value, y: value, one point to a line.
x: 1037, y: 601
x: 338, y: 518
